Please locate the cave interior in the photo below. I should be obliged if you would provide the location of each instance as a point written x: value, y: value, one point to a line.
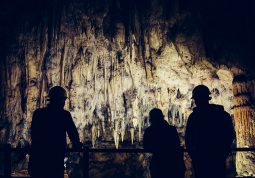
x: 118, y: 59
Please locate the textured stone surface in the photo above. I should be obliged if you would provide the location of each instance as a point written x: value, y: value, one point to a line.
x: 112, y: 80
x: 117, y: 60
x: 244, y: 114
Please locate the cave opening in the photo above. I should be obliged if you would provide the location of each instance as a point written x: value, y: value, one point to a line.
x: 119, y: 59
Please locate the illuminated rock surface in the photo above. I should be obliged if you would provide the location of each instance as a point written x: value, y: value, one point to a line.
x: 244, y: 123
x: 117, y: 61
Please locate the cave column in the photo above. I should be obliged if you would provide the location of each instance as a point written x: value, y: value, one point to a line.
x: 244, y: 125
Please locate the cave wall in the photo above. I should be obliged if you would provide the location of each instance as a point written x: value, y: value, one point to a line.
x: 112, y: 67
x: 117, y: 60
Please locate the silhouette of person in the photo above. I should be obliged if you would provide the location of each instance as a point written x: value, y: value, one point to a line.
x: 163, y: 141
x: 48, y: 133
x: 209, y: 135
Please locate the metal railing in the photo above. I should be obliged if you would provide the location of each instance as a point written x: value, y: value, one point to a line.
x: 7, y: 150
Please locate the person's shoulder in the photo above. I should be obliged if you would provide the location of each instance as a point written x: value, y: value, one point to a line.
x: 39, y: 113
x: 66, y: 113
x: 39, y: 110
x: 217, y: 107
x: 149, y: 130
x: 221, y: 111
x: 193, y: 114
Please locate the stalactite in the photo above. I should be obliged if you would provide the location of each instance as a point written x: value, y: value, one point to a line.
x: 140, y: 137
x: 135, y: 122
x: 105, y: 84
x: 93, y: 135
x: 116, y: 134
x: 134, y: 57
x: 170, y: 117
x: 62, y: 66
x: 116, y: 138
x: 123, y: 130
x: 178, y: 95
x: 112, y: 85
x: 132, y: 135
x: 98, y: 131
x: 242, y: 100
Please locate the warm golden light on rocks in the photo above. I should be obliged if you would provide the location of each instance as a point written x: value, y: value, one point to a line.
x: 117, y: 61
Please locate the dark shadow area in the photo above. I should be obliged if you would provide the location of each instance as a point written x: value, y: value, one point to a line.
x: 163, y: 141
x: 209, y: 135
x: 48, y: 133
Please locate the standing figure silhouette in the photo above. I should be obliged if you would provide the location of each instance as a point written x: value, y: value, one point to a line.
x: 48, y: 133
x: 209, y: 135
x: 163, y: 141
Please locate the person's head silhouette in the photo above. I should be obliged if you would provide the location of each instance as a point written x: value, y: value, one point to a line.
x: 156, y: 116
x: 201, y: 95
x: 57, y: 96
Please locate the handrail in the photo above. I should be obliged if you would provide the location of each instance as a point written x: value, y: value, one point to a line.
x: 121, y: 150
x: 86, y: 150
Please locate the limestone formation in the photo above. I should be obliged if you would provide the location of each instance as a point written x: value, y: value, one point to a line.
x: 117, y: 61
x: 244, y: 114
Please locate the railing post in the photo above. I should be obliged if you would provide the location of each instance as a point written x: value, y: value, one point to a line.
x: 7, y: 161
x: 86, y: 162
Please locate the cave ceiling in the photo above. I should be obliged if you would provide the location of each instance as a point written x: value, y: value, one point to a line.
x: 226, y: 26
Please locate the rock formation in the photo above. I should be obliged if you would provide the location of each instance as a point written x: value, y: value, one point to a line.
x: 244, y: 114
x: 117, y: 60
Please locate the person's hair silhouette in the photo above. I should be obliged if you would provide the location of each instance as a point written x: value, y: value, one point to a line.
x: 209, y: 135
x: 48, y: 133
x: 163, y: 141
